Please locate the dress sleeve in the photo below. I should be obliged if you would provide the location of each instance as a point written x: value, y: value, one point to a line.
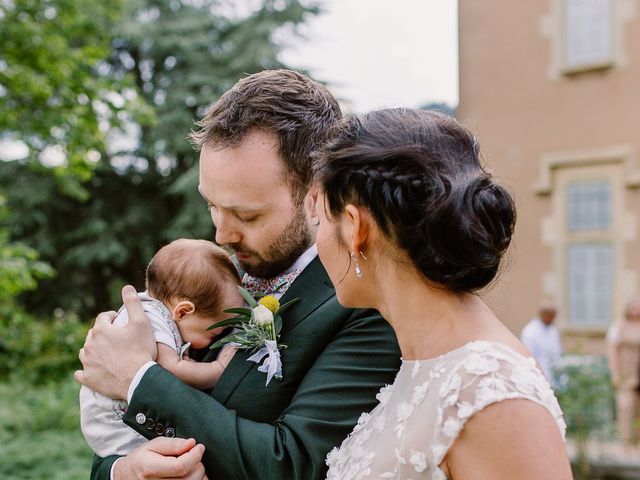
x: 613, y: 334
x: 487, y: 375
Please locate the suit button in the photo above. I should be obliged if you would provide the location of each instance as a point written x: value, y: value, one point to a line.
x: 159, y: 429
x: 170, y: 432
x: 141, y: 418
x: 150, y: 424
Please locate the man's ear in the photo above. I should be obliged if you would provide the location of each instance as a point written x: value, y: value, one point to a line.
x: 360, y: 223
x: 311, y: 205
x: 182, y: 308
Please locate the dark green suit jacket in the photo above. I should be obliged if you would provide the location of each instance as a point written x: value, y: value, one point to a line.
x: 336, y: 361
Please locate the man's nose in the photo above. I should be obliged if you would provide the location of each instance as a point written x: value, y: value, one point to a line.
x: 226, y: 233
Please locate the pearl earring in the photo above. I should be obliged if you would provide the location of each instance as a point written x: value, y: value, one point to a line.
x: 358, y: 271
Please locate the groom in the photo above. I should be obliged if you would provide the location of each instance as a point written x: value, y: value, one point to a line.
x: 255, y: 171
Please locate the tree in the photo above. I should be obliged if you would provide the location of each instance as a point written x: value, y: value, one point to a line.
x: 184, y: 55
x: 19, y: 266
x: 54, y: 96
x: 441, y: 107
x: 181, y: 55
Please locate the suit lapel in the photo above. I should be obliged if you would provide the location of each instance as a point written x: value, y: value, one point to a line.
x: 233, y: 374
x: 313, y: 288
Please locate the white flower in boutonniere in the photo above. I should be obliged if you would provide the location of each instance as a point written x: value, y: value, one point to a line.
x: 257, y: 328
x: 262, y: 316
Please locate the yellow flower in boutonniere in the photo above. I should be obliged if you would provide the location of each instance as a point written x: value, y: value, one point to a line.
x: 270, y: 302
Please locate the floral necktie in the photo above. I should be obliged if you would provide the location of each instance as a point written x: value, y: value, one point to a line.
x: 269, y: 286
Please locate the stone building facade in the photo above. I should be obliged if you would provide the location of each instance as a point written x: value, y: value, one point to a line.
x: 552, y: 88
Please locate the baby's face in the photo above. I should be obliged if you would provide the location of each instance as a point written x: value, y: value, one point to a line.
x: 193, y: 327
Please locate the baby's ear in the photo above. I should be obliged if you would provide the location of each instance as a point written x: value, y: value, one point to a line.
x: 184, y: 307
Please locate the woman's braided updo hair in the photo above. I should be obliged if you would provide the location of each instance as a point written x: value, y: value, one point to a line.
x: 418, y: 172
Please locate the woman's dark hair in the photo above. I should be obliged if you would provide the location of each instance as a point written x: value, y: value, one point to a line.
x: 419, y: 174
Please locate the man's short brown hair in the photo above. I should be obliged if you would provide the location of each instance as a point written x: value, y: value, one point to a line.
x: 299, y: 110
x: 194, y: 270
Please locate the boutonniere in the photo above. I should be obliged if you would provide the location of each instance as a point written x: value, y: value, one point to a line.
x: 257, y: 328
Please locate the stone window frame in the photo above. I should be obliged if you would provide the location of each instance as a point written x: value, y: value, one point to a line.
x: 557, y: 170
x: 553, y: 27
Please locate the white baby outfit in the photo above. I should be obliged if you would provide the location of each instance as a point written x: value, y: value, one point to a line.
x: 101, y: 417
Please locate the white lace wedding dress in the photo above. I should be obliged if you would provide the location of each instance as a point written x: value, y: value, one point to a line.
x: 409, y: 432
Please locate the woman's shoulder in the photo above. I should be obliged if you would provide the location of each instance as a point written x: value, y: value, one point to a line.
x: 517, y: 438
x: 483, y: 373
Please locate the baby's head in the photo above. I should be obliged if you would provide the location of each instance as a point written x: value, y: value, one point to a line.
x: 196, y: 280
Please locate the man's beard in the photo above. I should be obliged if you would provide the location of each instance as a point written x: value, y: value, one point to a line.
x: 282, y: 253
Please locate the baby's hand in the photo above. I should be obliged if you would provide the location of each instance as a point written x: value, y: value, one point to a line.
x: 225, y: 356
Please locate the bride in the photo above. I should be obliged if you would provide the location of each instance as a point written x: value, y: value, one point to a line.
x: 412, y: 225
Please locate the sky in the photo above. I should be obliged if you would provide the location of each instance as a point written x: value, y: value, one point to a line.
x: 371, y: 53
x: 382, y: 53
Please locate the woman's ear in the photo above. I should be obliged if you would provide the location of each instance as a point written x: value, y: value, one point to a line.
x: 182, y: 308
x: 359, y: 222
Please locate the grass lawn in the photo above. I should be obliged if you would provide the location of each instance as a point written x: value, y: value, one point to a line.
x: 40, y: 434
x: 44, y: 455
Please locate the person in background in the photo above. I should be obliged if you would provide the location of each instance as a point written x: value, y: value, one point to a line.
x: 542, y: 338
x: 623, y: 352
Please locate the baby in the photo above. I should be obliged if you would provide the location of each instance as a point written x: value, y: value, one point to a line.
x: 189, y: 283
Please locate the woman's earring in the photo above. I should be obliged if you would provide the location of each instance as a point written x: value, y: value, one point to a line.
x: 359, y: 273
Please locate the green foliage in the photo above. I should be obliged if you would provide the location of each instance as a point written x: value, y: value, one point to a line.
x: 40, y: 431
x: 19, y: 265
x: 73, y: 73
x: 585, y: 395
x: 181, y: 57
x: 184, y: 55
x: 52, y: 454
x: 95, y: 247
x: 53, y: 91
x: 46, y: 406
x: 441, y: 107
x: 38, y: 350
x: 586, y: 398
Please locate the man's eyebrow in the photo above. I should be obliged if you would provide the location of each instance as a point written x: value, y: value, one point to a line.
x: 234, y: 209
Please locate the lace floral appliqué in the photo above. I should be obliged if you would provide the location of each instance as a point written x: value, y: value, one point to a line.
x: 409, y: 433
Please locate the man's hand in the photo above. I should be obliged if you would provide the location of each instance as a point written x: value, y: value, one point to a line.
x: 112, y: 354
x: 162, y: 458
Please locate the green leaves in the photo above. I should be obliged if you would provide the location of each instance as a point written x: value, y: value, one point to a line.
x: 234, y: 337
x: 55, y: 90
x: 234, y: 321
x: 253, y: 333
x: 247, y: 298
x: 75, y: 74
x: 286, y: 306
x: 20, y: 268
